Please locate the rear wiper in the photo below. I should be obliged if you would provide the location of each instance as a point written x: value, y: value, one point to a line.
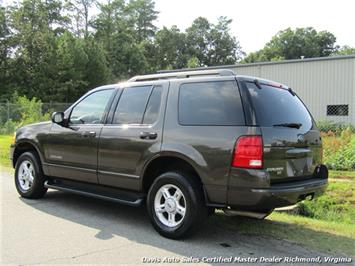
x: 292, y: 125
x: 291, y: 91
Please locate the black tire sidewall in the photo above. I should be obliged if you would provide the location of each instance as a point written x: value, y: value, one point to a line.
x: 38, y: 183
x: 193, y: 204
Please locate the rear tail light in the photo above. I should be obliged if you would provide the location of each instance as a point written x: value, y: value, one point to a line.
x: 248, y: 152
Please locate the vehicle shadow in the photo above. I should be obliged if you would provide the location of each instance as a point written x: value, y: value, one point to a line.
x: 219, y: 236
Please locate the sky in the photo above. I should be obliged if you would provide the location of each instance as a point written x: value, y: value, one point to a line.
x: 256, y: 21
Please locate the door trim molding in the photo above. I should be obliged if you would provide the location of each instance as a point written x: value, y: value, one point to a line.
x: 118, y: 174
x: 92, y: 170
x: 70, y: 167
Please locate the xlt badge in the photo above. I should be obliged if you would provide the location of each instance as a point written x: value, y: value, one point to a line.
x: 278, y: 170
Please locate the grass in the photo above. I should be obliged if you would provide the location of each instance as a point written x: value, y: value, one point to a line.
x: 5, y: 142
x: 337, y: 204
x: 324, y: 236
x: 333, y: 174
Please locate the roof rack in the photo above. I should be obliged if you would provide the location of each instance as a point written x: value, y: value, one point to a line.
x: 184, y: 74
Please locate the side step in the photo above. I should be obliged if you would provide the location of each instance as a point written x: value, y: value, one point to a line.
x: 95, y: 191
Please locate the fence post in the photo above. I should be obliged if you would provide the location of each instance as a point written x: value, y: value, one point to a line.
x: 8, y: 110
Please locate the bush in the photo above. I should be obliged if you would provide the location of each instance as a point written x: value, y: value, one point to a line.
x: 31, y: 110
x: 335, y: 127
x: 8, y: 128
x: 339, y: 151
x: 24, y: 111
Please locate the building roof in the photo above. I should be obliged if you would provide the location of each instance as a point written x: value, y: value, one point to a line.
x: 339, y: 57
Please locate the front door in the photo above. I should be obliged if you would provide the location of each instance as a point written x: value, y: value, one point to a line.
x: 133, y: 135
x: 72, y: 150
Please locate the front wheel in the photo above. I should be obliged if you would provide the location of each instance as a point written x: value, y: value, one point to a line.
x: 29, y: 178
x: 176, y: 205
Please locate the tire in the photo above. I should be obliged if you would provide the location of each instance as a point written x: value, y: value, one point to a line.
x: 192, y: 201
x: 29, y: 181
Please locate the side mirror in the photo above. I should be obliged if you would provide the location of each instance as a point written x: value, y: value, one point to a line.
x: 58, y: 118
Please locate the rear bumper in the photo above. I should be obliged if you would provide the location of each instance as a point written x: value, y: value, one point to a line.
x: 280, y: 195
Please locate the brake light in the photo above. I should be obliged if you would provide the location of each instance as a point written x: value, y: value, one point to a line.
x: 248, y: 152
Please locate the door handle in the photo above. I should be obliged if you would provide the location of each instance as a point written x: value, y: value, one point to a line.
x: 148, y: 135
x: 88, y: 134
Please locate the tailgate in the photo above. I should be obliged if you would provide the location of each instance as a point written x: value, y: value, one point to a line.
x: 289, y: 154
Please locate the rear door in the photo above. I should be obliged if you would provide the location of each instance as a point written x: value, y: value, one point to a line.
x: 203, y: 120
x: 132, y: 135
x: 292, y: 143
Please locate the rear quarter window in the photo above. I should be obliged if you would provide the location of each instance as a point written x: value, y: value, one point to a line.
x: 210, y: 103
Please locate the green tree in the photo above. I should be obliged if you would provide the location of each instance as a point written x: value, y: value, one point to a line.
x: 5, y: 46
x: 110, y: 21
x: 213, y: 44
x: 225, y: 48
x: 345, y: 50
x: 170, y: 49
x: 96, y: 71
x: 71, y: 65
x: 79, y: 12
x: 193, y: 62
x: 36, y: 25
x: 142, y: 14
x: 293, y: 44
x: 198, y: 39
x: 125, y: 56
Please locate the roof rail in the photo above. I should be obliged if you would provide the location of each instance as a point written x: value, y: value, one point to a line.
x: 184, y: 74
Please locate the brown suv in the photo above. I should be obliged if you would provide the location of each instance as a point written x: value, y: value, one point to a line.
x: 184, y: 142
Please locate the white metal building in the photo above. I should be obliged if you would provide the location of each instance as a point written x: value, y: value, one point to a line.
x: 326, y: 84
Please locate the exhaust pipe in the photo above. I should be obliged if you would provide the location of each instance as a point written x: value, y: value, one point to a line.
x: 256, y: 215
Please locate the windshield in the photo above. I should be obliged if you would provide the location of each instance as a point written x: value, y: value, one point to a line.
x: 278, y: 107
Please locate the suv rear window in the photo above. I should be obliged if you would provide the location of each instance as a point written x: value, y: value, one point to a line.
x: 275, y: 106
x: 210, y: 103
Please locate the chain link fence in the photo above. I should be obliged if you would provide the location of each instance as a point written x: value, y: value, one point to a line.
x: 11, y: 111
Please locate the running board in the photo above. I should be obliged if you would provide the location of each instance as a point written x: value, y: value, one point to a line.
x: 135, y: 202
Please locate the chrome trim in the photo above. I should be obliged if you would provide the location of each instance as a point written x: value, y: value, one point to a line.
x: 70, y: 167
x: 119, y: 174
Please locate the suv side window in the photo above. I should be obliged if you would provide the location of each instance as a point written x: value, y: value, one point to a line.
x: 210, y: 103
x: 131, y: 106
x: 153, y: 106
x: 91, y: 110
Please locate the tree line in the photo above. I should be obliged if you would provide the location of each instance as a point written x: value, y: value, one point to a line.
x: 57, y: 50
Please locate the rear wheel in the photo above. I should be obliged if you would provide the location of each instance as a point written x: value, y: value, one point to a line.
x: 176, y: 205
x: 29, y: 178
